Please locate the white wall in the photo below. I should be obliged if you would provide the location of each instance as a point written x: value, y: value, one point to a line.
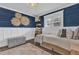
x: 6, y: 33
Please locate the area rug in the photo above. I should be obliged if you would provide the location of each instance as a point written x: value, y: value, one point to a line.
x: 26, y: 49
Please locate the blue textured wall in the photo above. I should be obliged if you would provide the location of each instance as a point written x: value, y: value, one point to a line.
x: 71, y: 16
x: 6, y: 15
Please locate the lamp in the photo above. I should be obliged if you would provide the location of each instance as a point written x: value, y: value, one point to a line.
x: 34, y: 4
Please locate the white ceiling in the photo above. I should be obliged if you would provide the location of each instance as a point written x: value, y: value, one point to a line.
x: 42, y: 8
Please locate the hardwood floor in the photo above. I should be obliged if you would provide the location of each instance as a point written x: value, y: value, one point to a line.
x: 25, y: 49
x: 30, y: 49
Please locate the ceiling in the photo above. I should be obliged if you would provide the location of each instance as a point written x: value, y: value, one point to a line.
x: 41, y: 9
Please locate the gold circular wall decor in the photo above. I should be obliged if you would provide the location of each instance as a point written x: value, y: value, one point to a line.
x: 15, y: 21
x: 18, y: 15
x: 25, y: 20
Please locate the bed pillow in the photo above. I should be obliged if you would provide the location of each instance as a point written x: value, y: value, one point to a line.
x: 69, y: 33
x: 59, y: 33
x: 63, y: 33
x: 72, y: 34
x: 76, y: 34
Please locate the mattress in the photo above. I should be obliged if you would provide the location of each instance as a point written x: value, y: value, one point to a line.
x: 61, y: 42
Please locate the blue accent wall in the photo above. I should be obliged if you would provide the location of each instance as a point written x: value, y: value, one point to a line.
x: 71, y: 16
x: 6, y: 15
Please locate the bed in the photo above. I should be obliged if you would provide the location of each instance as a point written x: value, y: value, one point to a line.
x: 60, y: 45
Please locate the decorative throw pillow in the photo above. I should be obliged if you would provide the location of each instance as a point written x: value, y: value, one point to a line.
x: 72, y: 34
x: 69, y: 33
x: 76, y: 34
x: 59, y: 33
x: 63, y: 33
